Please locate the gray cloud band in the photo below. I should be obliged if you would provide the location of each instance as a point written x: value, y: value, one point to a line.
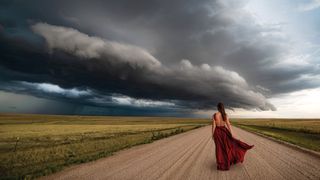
x: 191, y: 52
x: 197, y: 86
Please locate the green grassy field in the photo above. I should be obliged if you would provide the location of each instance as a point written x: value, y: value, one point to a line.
x: 36, y: 145
x: 301, y: 132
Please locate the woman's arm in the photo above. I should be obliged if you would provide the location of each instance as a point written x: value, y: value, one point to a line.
x: 229, y: 125
x: 213, y: 125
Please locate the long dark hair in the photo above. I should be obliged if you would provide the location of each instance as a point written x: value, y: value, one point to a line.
x: 220, y: 107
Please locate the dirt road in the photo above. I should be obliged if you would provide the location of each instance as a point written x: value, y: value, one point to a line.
x: 191, y: 155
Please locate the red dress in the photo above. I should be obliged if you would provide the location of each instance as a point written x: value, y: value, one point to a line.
x: 228, y: 149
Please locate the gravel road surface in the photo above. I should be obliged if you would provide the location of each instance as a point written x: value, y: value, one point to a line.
x: 191, y: 155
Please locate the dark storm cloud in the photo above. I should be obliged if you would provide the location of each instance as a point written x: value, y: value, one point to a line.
x: 212, y: 32
x: 112, y: 67
x: 190, y: 53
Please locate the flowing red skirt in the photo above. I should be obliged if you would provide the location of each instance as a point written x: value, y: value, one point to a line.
x: 228, y: 149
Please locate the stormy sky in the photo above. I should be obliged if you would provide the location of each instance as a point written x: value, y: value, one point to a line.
x: 152, y: 57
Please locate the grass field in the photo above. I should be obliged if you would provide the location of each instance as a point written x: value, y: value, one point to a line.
x: 36, y: 145
x: 301, y: 132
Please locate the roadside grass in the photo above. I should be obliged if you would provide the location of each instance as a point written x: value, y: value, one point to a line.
x: 301, y: 132
x: 33, y: 146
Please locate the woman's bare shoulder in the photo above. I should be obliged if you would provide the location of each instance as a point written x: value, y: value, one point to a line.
x: 214, y: 115
x: 227, y: 117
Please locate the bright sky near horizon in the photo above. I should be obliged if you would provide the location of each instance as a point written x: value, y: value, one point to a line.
x: 261, y: 58
x: 299, y: 20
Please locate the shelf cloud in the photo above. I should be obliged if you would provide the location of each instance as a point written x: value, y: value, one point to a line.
x: 180, y: 55
x: 195, y: 86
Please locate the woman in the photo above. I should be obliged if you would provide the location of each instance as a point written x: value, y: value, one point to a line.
x: 228, y: 149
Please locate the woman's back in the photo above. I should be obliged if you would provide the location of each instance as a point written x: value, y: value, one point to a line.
x: 218, y: 119
x: 229, y: 150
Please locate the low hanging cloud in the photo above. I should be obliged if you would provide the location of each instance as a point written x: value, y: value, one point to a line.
x: 55, y: 89
x: 189, y: 54
x: 125, y: 100
x: 192, y: 86
x: 86, y: 47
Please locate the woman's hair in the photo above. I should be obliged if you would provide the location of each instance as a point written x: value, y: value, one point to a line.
x: 222, y: 111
